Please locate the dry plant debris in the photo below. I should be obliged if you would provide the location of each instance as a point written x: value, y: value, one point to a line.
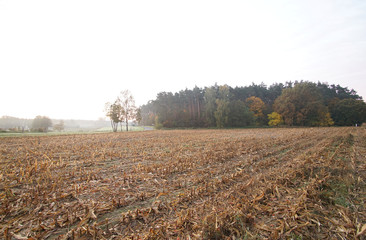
x: 186, y: 184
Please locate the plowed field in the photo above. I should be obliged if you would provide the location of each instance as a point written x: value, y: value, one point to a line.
x: 185, y: 184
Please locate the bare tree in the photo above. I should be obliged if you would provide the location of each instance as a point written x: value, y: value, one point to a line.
x: 127, y: 102
x: 123, y: 109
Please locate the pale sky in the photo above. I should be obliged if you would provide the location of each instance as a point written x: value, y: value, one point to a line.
x: 66, y: 59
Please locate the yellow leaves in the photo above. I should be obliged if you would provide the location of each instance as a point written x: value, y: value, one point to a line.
x: 275, y: 119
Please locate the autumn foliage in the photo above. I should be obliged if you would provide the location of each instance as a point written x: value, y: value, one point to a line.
x: 299, y: 103
x: 275, y: 119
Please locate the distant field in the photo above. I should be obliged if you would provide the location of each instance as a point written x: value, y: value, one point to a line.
x: 130, y: 128
x: 74, y: 131
x: 185, y: 184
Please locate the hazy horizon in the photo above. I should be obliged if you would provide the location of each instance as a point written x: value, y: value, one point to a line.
x: 101, y: 118
x: 66, y: 59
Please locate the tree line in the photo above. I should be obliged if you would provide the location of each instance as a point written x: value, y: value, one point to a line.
x: 38, y: 124
x: 299, y: 103
x: 44, y: 124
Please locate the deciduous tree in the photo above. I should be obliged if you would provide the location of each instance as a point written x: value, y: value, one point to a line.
x: 348, y: 112
x: 325, y: 119
x: 210, y: 104
x: 301, y: 105
x: 257, y: 106
x: 127, y: 102
x: 115, y: 113
x: 138, y: 115
x: 41, y: 123
x: 222, y: 110
x: 274, y: 119
x: 240, y: 115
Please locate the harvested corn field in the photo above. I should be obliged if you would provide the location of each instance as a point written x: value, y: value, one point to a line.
x: 186, y: 184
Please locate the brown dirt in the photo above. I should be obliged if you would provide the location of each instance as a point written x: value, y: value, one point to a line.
x: 186, y: 184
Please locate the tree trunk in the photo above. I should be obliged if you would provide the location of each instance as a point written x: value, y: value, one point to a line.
x: 114, y: 126
x: 126, y: 121
x: 199, y: 109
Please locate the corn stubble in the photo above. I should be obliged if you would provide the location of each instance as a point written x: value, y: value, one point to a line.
x: 203, y: 184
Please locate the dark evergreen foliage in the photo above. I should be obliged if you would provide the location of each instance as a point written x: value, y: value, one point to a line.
x: 308, y: 103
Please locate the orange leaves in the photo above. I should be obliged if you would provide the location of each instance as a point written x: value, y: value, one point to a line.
x: 256, y: 105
